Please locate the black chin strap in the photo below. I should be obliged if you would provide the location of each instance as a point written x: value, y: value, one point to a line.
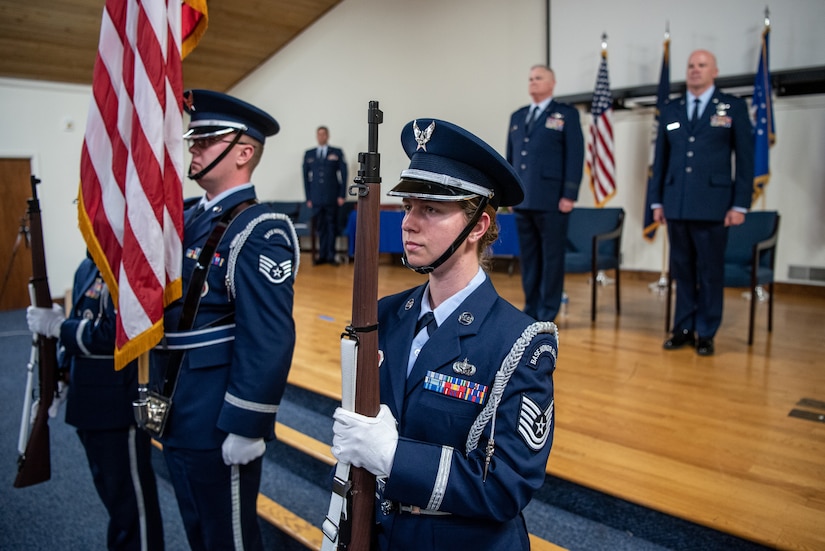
x: 218, y: 159
x: 455, y: 245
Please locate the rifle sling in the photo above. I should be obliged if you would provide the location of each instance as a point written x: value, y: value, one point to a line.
x: 191, y: 302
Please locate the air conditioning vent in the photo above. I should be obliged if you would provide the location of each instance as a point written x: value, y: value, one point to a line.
x: 806, y: 273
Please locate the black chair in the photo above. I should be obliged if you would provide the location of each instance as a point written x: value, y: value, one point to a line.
x: 750, y: 256
x: 594, y: 244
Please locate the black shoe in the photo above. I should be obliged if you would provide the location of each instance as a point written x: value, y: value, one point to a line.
x: 704, y: 347
x: 679, y: 339
x: 319, y: 261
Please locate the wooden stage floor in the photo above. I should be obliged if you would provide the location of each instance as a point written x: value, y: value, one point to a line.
x: 709, y: 439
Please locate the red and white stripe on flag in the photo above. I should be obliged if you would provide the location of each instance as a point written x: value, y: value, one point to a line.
x: 130, y: 200
x: 599, y: 161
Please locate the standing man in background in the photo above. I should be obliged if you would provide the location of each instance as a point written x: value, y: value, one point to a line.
x: 545, y: 145
x: 325, y: 185
x: 692, y: 190
x: 99, y: 404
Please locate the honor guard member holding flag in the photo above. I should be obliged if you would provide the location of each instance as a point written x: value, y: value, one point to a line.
x: 229, y: 342
x: 99, y: 403
x: 466, y: 418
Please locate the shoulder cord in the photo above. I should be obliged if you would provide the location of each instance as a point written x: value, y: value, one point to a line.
x: 508, y: 366
x: 238, y: 242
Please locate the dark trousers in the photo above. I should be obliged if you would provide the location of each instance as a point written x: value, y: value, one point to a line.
x: 218, y: 503
x: 542, y: 237
x: 121, y: 465
x: 697, y: 264
x: 326, y: 226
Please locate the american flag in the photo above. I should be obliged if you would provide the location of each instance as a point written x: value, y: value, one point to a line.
x: 130, y: 205
x: 599, y: 161
x: 662, y: 95
x: 764, y: 131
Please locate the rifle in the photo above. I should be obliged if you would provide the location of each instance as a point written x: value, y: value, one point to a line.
x: 352, y: 529
x: 34, y: 463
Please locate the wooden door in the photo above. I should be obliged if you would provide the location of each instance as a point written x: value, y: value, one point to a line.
x: 15, y: 254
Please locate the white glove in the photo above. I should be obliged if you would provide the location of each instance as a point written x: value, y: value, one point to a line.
x: 366, y: 442
x: 45, y: 321
x: 59, y: 398
x: 240, y: 450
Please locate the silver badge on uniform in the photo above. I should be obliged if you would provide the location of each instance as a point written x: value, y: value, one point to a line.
x: 464, y: 368
x: 466, y: 318
x: 410, y: 304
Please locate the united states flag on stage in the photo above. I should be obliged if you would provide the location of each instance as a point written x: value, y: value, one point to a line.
x: 662, y: 95
x: 762, y: 106
x: 599, y: 161
x: 131, y: 169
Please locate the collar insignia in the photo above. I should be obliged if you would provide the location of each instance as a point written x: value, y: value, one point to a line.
x: 466, y: 318
x: 423, y: 137
x: 410, y: 304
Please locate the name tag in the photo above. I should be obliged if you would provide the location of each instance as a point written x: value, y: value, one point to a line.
x: 673, y: 126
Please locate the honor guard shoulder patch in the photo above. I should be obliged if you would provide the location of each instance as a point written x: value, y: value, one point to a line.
x: 534, y: 425
x: 543, y: 350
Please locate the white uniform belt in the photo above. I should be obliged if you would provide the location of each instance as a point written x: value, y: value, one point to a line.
x: 197, y: 338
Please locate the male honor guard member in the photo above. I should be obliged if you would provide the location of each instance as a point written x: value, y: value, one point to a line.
x: 465, y: 425
x: 229, y: 341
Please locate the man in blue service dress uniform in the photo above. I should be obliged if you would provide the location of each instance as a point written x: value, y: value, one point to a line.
x: 465, y: 426
x: 546, y: 147
x: 693, y: 192
x: 228, y: 384
x: 325, y: 186
x: 99, y: 403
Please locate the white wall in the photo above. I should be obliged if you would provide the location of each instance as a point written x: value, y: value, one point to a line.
x: 465, y: 61
x: 635, y: 29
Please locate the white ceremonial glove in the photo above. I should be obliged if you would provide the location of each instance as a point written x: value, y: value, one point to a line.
x: 240, y: 450
x: 45, y: 321
x: 59, y: 398
x: 366, y: 442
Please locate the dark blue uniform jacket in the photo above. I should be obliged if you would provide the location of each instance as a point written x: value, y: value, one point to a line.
x: 432, y: 469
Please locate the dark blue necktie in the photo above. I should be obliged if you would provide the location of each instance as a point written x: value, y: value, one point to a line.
x: 531, y: 118
x: 695, y: 115
x: 428, y: 321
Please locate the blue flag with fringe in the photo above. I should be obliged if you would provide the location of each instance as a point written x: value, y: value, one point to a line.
x: 764, y: 131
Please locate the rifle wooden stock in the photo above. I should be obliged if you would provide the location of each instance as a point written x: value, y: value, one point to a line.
x: 365, y: 324
x: 34, y: 466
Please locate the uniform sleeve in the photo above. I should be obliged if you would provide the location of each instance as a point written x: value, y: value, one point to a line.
x: 573, y: 155
x: 82, y: 336
x: 305, y: 172
x: 342, y: 169
x: 661, y: 155
x: 261, y: 281
x: 448, y: 479
x: 743, y: 150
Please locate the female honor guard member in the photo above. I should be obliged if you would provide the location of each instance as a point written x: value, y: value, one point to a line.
x: 226, y: 370
x: 466, y: 422
x: 99, y: 403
